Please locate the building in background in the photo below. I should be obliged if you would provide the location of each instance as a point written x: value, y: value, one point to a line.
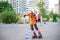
x: 56, y: 9
x: 59, y: 6
x: 23, y: 6
x: 28, y: 7
x: 31, y: 4
x: 59, y: 9
x: 13, y: 3
x: 19, y: 5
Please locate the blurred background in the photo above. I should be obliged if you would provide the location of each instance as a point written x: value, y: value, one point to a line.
x: 12, y: 11
x: 13, y: 25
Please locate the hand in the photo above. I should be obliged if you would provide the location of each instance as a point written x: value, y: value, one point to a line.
x: 24, y: 15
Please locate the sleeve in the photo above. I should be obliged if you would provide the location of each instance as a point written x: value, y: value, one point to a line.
x: 28, y: 14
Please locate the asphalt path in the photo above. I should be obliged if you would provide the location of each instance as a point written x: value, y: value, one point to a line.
x: 50, y: 31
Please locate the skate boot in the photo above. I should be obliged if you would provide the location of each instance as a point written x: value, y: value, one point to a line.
x: 35, y: 36
x: 40, y: 36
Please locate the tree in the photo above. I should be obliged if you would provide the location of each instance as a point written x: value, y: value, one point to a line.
x: 7, y: 14
x: 55, y: 17
x: 51, y: 14
x: 5, y: 5
x: 41, y: 8
x: 59, y: 16
x: 8, y: 17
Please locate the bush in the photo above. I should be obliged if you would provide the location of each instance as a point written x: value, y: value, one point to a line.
x: 16, y: 19
x: 55, y: 17
x: 5, y: 5
x: 0, y: 16
x: 59, y: 16
x: 8, y: 17
x: 47, y: 18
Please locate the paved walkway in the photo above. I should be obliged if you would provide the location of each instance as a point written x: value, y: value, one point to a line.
x: 50, y: 31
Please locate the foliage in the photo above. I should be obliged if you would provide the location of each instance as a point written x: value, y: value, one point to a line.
x: 8, y: 17
x: 7, y: 14
x: 42, y: 10
x: 59, y: 16
x: 5, y: 5
x: 41, y: 5
x: 55, y: 16
x: 51, y: 14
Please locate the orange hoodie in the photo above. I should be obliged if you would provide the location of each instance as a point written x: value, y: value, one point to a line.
x: 32, y: 18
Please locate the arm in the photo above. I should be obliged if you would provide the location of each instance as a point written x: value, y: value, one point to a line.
x: 28, y: 14
x: 41, y: 19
